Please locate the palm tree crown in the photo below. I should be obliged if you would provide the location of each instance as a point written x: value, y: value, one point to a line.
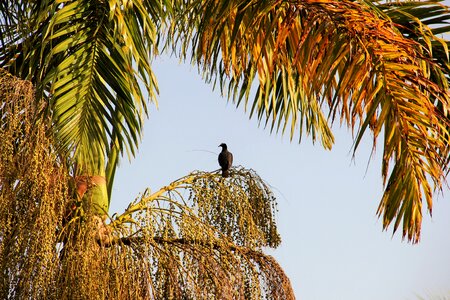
x: 297, y: 66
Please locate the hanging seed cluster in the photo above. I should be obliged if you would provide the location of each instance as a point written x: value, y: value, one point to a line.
x: 90, y: 270
x: 242, y: 206
x: 202, y: 237
x: 32, y: 195
x: 43, y: 253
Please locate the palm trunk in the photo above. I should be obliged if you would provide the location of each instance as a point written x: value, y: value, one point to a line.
x: 92, y: 186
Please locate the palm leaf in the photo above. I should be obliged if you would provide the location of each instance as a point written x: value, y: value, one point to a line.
x: 90, y: 59
x: 94, y: 84
x: 349, y: 59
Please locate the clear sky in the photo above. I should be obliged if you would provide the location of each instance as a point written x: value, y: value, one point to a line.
x: 333, y: 246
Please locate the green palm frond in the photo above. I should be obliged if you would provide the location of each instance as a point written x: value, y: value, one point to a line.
x: 91, y: 60
x: 100, y: 54
x: 311, y: 59
x: 371, y: 64
x: 21, y: 35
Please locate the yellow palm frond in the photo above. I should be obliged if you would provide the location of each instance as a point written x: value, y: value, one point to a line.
x: 314, y: 61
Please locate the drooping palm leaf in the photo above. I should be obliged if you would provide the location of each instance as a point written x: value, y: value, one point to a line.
x: 421, y: 21
x: 337, y: 58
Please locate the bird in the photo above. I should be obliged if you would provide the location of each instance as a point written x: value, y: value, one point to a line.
x: 225, y: 160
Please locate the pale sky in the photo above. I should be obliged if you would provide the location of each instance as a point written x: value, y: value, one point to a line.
x: 333, y: 246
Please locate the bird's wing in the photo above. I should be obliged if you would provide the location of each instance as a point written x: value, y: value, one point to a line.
x: 229, y: 159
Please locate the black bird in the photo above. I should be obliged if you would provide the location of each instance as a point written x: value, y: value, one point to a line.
x: 225, y: 160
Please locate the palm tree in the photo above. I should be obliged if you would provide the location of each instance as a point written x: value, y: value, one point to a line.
x: 374, y: 65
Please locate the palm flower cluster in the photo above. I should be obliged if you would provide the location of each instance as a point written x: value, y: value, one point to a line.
x: 33, y: 192
x: 203, y: 235
x: 200, y: 237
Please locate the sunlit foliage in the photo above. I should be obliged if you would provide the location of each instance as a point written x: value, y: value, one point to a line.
x: 200, y: 237
x: 297, y: 66
x: 373, y: 66
x: 91, y: 61
x: 204, y: 236
x: 33, y: 194
x: 377, y: 66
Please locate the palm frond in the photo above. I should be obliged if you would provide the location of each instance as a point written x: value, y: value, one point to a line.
x: 100, y: 53
x: 91, y: 60
x: 311, y: 59
x: 420, y: 21
x: 425, y: 22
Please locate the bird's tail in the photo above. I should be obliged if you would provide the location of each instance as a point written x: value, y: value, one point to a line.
x: 225, y: 173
